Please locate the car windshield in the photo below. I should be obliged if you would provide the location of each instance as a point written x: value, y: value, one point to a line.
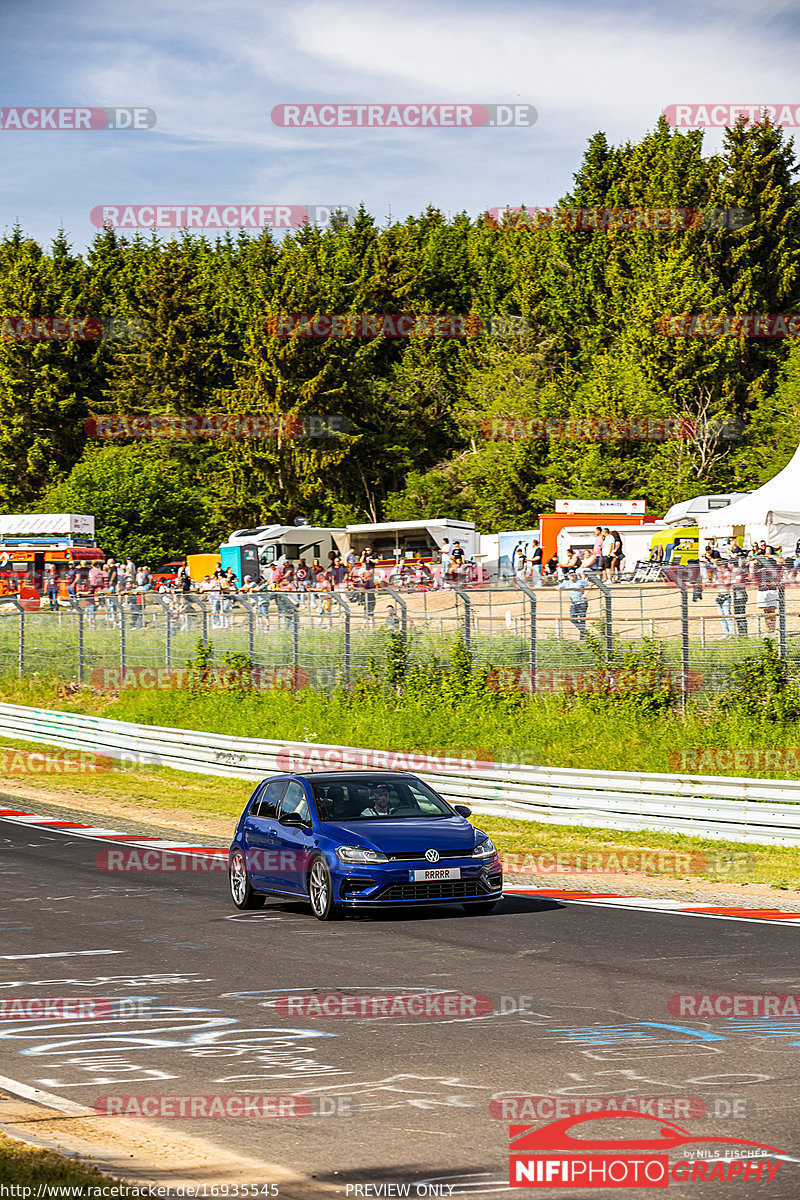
x: 362, y: 798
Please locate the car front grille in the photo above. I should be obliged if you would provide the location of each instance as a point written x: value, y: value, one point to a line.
x: 442, y: 889
x: 419, y: 855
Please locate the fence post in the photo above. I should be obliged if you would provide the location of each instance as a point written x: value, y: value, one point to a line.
x: 80, y: 645
x: 781, y: 620
x: 403, y: 612
x: 607, y: 615
x: 532, y: 647
x: 339, y: 598
x: 684, y: 645
x: 122, y: 642
x: 467, y: 617
x: 21, y: 641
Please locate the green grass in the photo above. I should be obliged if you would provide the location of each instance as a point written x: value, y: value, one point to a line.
x: 539, y: 731
x: 27, y: 1166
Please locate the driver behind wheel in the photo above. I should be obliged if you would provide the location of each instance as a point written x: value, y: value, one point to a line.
x: 378, y: 803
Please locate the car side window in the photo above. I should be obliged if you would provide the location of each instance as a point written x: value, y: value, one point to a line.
x: 267, y: 804
x: 294, y: 800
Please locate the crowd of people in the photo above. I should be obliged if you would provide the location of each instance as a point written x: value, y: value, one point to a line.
x: 733, y: 572
x: 104, y: 587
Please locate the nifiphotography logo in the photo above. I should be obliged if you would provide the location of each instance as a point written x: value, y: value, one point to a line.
x: 656, y: 1154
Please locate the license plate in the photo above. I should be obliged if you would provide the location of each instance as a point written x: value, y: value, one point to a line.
x: 429, y: 873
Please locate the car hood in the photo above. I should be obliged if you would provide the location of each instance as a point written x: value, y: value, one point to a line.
x: 406, y: 834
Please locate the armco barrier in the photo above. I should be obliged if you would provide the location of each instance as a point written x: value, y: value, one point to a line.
x: 736, y: 809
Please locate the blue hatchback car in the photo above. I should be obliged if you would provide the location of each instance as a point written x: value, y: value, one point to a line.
x: 345, y: 840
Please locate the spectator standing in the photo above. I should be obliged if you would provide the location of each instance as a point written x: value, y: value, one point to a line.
x: 616, y: 557
x: 724, y: 586
x: 445, y: 561
x: 51, y: 588
x: 368, y: 584
x: 72, y: 582
x: 215, y: 599
x: 739, y: 580
x: 95, y: 578
x: 765, y: 574
x: 536, y: 564
x: 184, y: 580
x: 608, y: 552
x: 597, y: 550
x: 457, y: 563
x: 578, y: 604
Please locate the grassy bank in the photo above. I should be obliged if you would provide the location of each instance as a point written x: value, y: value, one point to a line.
x: 27, y: 1166
x: 541, y: 731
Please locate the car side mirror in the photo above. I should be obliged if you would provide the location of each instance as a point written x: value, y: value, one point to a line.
x: 294, y: 820
x: 463, y: 810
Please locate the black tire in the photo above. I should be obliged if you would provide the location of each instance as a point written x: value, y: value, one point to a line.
x: 481, y: 909
x: 239, y: 885
x: 320, y: 892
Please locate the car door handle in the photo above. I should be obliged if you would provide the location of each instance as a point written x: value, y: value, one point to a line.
x: 272, y: 832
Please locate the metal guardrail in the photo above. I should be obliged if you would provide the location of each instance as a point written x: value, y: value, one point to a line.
x: 737, y: 809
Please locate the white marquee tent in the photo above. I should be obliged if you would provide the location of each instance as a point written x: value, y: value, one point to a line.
x: 771, y: 513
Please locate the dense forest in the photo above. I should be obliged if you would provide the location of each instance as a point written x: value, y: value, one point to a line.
x: 417, y: 411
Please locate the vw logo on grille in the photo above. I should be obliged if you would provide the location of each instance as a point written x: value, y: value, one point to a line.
x: 432, y: 855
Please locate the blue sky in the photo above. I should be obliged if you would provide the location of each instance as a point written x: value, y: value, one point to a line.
x: 213, y: 70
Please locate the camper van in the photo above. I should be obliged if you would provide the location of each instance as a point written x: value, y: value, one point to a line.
x: 248, y: 550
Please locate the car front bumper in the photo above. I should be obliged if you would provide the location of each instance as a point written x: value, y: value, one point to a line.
x: 390, y: 883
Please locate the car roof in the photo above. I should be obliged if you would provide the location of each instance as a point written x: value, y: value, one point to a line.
x: 326, y: 776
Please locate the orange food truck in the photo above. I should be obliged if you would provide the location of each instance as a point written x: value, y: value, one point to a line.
x: 31, y: 542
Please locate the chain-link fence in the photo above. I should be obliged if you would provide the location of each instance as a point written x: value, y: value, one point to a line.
x: 540, y: 639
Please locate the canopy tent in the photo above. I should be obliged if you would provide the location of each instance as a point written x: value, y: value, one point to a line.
x: 771, y: 513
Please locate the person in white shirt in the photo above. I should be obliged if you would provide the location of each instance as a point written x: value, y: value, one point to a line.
x: 607, y: 552
x: 445, y: 561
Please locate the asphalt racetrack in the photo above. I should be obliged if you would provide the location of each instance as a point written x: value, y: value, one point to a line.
x: 580, y: 1007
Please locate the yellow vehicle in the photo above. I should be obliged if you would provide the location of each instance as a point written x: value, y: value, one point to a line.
x: 201, y: 565
x: 676, y: 546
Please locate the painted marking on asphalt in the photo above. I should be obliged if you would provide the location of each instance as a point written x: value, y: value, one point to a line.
x: 93, y: 831
x: 58, y: 954
x: 68, y: 1107
x: 646, y: 904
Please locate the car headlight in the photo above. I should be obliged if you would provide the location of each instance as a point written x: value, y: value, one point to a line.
x: 359, y: 854
x: 484, y: 849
